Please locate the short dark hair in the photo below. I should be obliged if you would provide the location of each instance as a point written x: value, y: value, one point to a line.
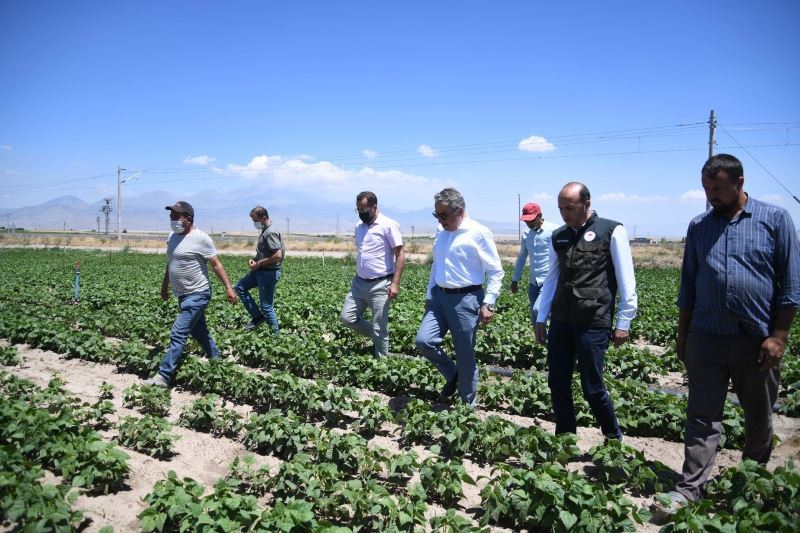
x: 584, y: 193
x: 372, y: 200
x: 259, y: 211
x: 723, y: 163
x: 450, y: 197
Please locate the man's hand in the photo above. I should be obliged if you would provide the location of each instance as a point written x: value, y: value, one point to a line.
x: 164, y: 292
x: 514, y: 287
x: 540, y: 330
x: 394, y: 288
x: 253, y: 264
x: 620, y: 337
x: 771, y: 353
x: 485, y: 315
x: 231, y: 294
x: 680, y: 347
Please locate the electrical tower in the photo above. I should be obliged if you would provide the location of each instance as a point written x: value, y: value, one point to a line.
x: 106, y: 209
x: 712, y: 126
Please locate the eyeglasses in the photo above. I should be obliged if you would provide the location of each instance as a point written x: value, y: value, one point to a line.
x: 442, y: 216
x: 364, y: 212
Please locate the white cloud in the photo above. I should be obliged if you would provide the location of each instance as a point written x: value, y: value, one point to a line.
x: 535, y: 143
x: 325, y: 177
x: 258, y: 166
x: 633, y: 198
x: 693, y: 195
x: 304, y: 157
x: 369, y: 154
x: 200, y: 160
x: 426, y: 151
x: 11, y: 172
x: 543, y: 196
x: 772, y: 198
x: 6, y: 147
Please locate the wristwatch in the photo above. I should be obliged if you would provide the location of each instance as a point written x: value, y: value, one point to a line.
x: 490, y: 307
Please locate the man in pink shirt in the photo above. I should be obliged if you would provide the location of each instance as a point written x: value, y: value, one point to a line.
x: 379, y: 266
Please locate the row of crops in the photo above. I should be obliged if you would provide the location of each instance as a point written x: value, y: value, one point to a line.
x: 307, y: 410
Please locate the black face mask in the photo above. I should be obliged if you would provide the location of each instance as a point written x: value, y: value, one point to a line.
x: 366, y: 218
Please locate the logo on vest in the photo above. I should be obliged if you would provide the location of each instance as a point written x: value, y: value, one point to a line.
x: 589, y: 236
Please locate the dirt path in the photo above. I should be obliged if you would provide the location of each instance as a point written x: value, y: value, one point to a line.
x: 205, y: 458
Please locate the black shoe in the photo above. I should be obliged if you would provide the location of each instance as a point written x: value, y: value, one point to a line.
x: 253, y: 324
x: 448, y: 390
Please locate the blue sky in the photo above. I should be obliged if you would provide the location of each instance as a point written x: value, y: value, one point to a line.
x: 328, y: 98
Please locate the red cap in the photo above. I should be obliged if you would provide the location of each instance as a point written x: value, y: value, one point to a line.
x: 530, y: 212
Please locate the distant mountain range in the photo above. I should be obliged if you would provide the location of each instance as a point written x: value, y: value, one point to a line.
x: 218, y: 212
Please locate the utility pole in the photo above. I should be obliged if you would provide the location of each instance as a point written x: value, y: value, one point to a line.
x: 120, y: 181
x: 519, y: 222
x: 337, y: 224
x: 106, y: 210
x: 119, y: 203
x: 287, y: 227
x: 712, y: 127
x: 98, y: 225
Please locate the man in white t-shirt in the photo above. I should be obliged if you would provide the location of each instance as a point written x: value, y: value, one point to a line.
x: 379, y: 266
x: 189, y: 252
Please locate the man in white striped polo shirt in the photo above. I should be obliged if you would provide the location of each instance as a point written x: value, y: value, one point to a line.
x: 379, y: 266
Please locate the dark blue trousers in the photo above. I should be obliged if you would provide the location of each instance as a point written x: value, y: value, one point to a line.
x: 567, y: 343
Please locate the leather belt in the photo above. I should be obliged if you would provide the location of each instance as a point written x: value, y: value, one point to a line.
x: 380, y: 278
x: 461, y: 290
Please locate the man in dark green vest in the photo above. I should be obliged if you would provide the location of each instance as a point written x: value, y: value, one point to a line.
x: 590, y: 261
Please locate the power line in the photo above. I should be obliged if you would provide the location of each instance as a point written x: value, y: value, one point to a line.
x: 454, y: 154
x: 410, y: 157
x: 475, y: 149
x: 34, y: 188
x: 155, y: 179
x: 563, y: 140
x: 770, y: 174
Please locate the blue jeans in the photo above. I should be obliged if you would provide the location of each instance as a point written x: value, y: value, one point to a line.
x: 191, y: 320
x: 565, y: 343
x: 265, y: 280
x: 457, y: 313
x: 534, y: 291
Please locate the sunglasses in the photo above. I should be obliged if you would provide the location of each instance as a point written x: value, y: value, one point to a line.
x: 443, y: 216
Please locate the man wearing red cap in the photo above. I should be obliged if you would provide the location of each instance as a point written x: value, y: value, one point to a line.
x: 536, y: 245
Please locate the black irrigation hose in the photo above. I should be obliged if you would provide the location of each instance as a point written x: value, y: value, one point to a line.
x: 507, y: 373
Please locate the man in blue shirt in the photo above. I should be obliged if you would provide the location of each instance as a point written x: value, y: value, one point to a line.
x: 536, y: 245
x: 740, y: 287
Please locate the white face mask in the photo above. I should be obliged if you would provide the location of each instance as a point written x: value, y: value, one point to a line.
x: 176, y: 226
x: 258, y: 225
